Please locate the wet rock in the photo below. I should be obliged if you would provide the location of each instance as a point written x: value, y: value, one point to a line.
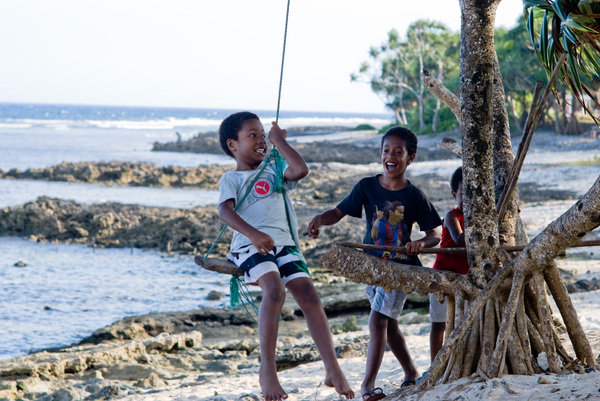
x: 60, y: 395
x: 214, y: 296
x: 106, y: 393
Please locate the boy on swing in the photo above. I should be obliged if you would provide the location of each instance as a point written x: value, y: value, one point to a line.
x: 391, y: 204
x: 265, y: 242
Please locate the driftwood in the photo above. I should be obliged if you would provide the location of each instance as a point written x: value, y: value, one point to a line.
x: 363, y: 268
x: 218, y: 265
x: 512, y: 248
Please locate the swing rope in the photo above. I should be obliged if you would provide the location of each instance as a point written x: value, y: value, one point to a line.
x: 287, y: 14
x: 237, y: 288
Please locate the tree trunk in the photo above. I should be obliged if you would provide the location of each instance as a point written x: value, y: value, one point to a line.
x: 477, y: 90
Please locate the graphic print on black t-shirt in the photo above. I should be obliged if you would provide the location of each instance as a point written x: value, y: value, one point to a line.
x: 388, y: 228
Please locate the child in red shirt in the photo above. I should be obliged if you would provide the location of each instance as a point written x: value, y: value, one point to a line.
x: 453, y: 236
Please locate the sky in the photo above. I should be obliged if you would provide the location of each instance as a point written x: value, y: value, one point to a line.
x: 204, y: 53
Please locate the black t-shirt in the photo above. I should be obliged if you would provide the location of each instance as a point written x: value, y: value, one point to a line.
x: 398, y: 211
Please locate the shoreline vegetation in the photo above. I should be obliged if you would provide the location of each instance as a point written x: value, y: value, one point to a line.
x: 140, y: 356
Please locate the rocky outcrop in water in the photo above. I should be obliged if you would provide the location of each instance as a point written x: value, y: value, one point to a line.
x: 125, y: 174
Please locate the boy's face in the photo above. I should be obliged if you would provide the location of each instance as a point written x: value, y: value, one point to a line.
x: 250, y: 148
x: 458, y: 195
x: 395, y: 157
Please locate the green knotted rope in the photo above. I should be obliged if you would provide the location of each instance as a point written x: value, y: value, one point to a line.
x: 237, y: 288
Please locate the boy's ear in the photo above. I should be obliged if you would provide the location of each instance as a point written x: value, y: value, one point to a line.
x: 411, y: 158
x: 231, y: 144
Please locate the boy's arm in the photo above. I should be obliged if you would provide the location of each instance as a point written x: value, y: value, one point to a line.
x: 327, y: 218
x: 431, y: 239
x: 261, y: 241
x: 453, y: 225
x: 297, y: 168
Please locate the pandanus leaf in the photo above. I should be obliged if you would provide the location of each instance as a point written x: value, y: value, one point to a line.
x: 558, y: 7
x: 544, y: 37
x: 574, y: 23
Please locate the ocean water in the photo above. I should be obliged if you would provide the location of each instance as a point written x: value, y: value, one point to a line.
x: 66, y: 292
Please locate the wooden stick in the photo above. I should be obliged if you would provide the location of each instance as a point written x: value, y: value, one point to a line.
x: 546, y: 326
x: 218, y: 265
x: 530, y: 126
x: 470, y: 361
x: 506, y: 327
x: 514, y: 248
x: 521, y: 152
x: 227, y: 267
x: 488, y: 335
x: 557, y: 288
x: 522, y: 332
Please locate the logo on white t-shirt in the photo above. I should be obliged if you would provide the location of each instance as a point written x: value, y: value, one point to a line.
x: 262, y: 188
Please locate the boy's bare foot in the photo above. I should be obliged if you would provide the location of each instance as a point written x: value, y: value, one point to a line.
x: 271, y: 389
x: 338, y: 381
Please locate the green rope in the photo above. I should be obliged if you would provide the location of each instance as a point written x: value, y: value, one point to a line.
x: 265, y: 163
x: 238, y: 290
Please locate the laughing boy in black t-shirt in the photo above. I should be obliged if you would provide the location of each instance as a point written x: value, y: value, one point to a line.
x: 391, y: 204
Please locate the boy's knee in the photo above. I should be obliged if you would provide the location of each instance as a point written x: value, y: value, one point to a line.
x: 274, y: 293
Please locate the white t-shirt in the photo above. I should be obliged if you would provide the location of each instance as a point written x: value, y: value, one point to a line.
x: 263, y: 208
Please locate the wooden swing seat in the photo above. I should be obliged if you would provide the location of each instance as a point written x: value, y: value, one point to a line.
x: 218, y: 265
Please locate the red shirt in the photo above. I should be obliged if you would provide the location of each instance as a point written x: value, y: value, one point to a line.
x: 457, y: 262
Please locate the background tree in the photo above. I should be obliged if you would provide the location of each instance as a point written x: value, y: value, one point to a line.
x: 394, y: 73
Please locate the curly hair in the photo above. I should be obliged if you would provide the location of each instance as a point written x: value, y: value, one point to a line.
x: 456, y: 179
x: 231, y: 126
x: 409, y: 138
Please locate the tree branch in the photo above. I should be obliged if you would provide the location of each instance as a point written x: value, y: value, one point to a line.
x: 363, y: 268
x: 437, y: 89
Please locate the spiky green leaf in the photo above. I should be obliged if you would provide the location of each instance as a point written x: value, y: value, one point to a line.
x: 544, y: 38
x: 574, y: 70
x: 574, y: 24
x: 558, y: 7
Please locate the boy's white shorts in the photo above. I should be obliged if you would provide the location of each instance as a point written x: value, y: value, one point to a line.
x: 285, y: 260
x: 437, y: 310
x: 389, y: 304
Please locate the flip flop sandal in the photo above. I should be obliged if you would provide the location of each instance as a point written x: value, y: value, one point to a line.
x: 407, y: 383
x: 375, y: 394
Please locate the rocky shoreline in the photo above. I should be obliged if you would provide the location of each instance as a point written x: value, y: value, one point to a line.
x: 141, y: 354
